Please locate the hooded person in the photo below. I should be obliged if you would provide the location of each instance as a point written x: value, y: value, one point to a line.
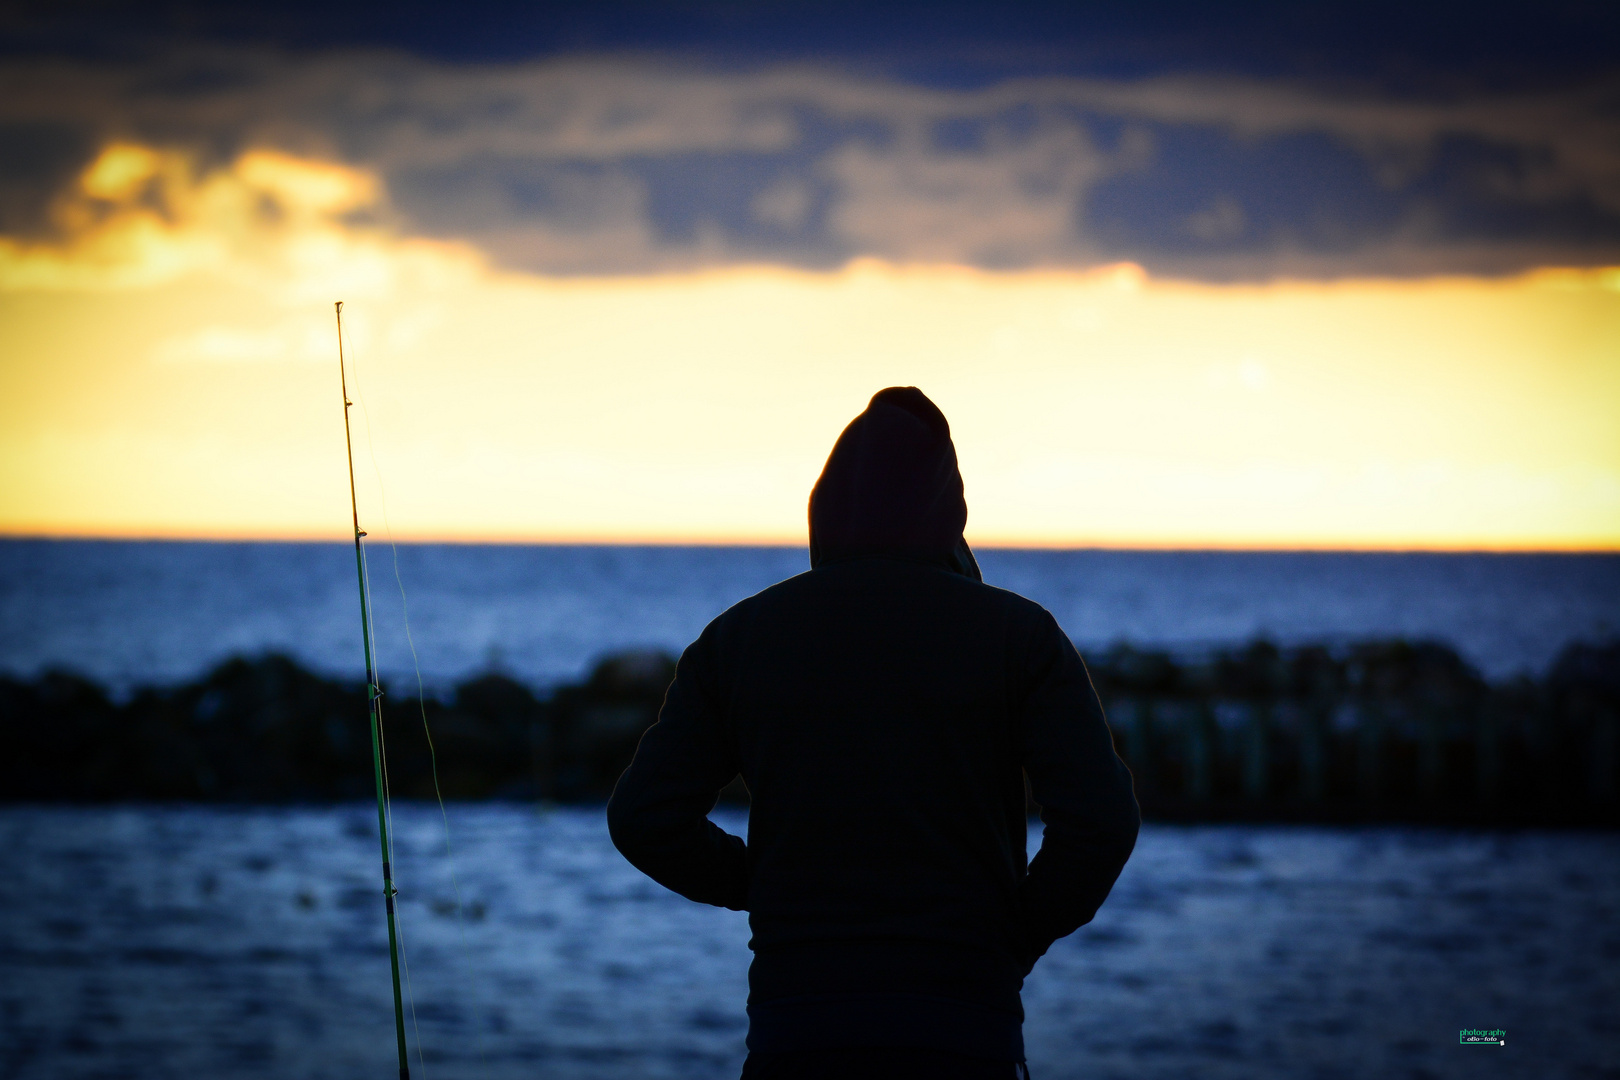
x: 884, y: 710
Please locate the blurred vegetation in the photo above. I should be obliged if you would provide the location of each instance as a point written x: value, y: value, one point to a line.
x: 1383, y: 730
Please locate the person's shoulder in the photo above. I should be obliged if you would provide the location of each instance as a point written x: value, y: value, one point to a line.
x: 1026, y: 622
x: 986, y: 593
x: 868, y: 571
x: 770, y: 596
x: 1015, y: 608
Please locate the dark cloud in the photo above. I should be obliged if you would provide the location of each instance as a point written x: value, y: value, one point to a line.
x: 1439, y: 44
x: 628, y: 163
x: 38, y: 159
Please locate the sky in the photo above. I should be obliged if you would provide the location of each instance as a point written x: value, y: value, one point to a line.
x: 1269, y: 276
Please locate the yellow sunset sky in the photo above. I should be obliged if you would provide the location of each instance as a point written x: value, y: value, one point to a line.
x: 168, y: 367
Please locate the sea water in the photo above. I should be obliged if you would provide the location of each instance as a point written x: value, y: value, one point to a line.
x: 194, y: 942
x: 222, y: 942
x: 127, y: 613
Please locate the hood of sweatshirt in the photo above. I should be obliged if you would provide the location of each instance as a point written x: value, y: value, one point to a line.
x: 891, y: 487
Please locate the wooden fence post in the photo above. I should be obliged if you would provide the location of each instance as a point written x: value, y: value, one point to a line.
x: 1256, y: 763
x: 1135, y: 719
x: 1312, y: 731
x: 1370, y: 747
x: 1200, y: 764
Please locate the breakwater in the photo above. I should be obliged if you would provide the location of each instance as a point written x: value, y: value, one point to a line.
x: 1376, y: 731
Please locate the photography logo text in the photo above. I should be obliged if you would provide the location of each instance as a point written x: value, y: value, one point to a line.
x: 1482, y: 1037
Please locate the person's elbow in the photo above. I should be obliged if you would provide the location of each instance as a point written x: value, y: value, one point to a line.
x: 626, y: 825
x: 1111, y: 823
x: 1122, y: 842
x: 1127, y: 817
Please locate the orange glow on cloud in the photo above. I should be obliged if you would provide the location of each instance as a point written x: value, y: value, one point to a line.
x: 168, y: 367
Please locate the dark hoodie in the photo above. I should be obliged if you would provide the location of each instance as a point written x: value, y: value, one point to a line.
x: 884, y: 709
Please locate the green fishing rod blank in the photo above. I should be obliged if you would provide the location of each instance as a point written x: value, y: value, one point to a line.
x: 374, y: 708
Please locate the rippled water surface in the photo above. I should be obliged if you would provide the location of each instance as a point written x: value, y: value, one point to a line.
x: 207, y: 942
x: 130, y: 612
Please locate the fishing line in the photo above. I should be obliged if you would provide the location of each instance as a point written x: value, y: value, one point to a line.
x: 404, y: 954
x: 374, y: 716
x: 388, y: 805
x: 427, y: 731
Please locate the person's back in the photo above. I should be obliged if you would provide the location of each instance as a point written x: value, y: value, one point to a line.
x: 882, y: 710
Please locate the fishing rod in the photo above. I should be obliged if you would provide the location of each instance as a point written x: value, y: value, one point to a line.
x: 373, y: 697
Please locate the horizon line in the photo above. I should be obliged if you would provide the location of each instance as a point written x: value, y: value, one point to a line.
x: 1393, y: 547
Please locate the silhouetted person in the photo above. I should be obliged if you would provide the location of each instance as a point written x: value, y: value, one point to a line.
x: 883, y: 710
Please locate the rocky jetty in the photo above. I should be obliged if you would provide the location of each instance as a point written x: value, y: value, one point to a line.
x: 264, y: 729
x: 1377, y: 731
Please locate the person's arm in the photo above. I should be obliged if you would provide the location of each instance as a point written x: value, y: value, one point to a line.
x: 1083, y: 788
x: 658, y: 815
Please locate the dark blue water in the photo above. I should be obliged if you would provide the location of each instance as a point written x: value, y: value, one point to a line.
x: 129, y: 612
x: 208, y: 942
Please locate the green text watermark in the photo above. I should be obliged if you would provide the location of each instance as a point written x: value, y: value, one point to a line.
x: 1482, y: 1037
